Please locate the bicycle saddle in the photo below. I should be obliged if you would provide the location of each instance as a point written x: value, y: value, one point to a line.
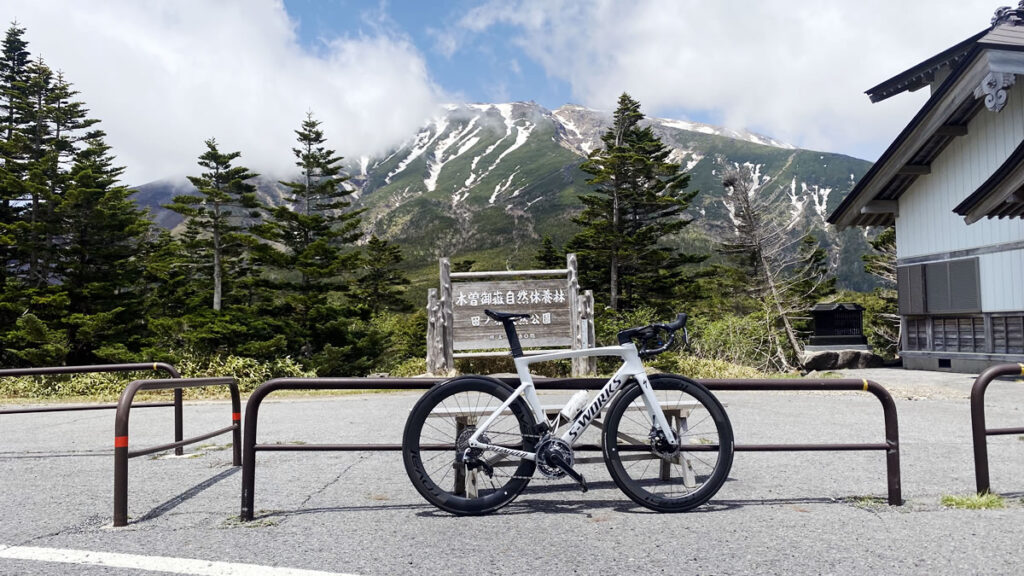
x: 502, y: 316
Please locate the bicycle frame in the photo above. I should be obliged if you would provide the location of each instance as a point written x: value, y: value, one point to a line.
x: 632, y: 366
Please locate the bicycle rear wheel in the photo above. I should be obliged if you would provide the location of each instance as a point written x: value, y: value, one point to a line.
x: 649, y: 472
x: 436, y: 437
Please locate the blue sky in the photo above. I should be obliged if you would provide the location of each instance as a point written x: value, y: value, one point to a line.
x: 164, y: 75
x: 489, y: 67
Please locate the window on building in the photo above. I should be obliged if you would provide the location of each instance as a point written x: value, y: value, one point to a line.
x: 939, y: 287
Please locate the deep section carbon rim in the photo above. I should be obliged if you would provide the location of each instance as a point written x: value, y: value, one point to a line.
x: 647, y: 469
x: 435, y: 442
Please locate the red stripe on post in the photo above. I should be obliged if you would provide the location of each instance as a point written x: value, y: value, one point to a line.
x: 120, y: 441
x: 236, y: 416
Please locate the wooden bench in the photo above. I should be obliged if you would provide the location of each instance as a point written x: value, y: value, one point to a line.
x: 676, y: 413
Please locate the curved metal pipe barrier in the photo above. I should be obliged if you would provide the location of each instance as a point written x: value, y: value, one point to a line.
x: 249, y: 446
x: 979, y: 432
x: 121, y: 453
x: 97, y: 368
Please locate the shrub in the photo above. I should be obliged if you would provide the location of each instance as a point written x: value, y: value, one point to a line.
x: 108, y: 386
x: 249, y: 371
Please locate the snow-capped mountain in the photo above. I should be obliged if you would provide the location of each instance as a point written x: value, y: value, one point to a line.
x: 487, y: 181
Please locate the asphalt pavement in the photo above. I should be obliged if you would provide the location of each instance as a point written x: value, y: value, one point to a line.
x: 356, y: 512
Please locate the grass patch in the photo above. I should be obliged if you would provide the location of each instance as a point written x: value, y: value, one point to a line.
x: 987, y: 501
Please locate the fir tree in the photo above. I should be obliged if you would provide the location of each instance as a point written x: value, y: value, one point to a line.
x: 637, y: 206
x: 548, y: 257
x: 315, y: 231
x: 315, y: 224
x: 14, y: 62
x: 381, y: 286
x: 884, y: 322
x: 222, y: 202
x: 102, y: 236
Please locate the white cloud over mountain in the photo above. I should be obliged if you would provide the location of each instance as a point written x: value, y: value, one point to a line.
x: 165, y: 76
x: 793, y: 69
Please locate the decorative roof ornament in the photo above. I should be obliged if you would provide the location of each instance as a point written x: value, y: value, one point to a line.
x: 1007, y: 15
x: 993, y: 88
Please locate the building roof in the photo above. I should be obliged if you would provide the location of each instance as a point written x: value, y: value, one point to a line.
x: 1001, y: 195
x: 923, y: 74
x: 831, y: 306
x: 944, y: 117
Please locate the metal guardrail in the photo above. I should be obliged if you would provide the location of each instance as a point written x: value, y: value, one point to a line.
x: 95, y: 369
x: 122, y: 454
x: 249, y: 446
x: 979, y: 432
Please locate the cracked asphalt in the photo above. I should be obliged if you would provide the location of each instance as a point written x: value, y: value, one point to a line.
x: 355, y: 512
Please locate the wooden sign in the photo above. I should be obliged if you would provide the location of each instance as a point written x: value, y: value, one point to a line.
x: 547, y: 302
x: 561, y: 317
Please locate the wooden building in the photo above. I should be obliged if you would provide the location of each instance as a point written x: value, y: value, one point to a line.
x: 952, y: 183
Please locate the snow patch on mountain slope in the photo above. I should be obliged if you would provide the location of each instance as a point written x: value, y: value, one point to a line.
x: 736, y: 134
x: 465, y: 137
x: 423, y: 141
x: 819, y: 196
x: 502, y: 186
x: 688, y: 158
x: 587, y: 146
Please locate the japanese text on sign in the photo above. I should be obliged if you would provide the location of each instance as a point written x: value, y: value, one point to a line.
x: 546, y: 301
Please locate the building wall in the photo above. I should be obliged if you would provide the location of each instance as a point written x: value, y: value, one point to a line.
x: 927, y: 226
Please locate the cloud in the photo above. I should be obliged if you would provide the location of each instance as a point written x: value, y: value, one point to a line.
x: 163, y: 76
x: 792, y: 69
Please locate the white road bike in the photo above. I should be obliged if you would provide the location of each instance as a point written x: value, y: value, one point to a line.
x: 472, y: 443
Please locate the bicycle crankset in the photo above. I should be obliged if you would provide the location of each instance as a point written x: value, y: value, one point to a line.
x: 555, y: 459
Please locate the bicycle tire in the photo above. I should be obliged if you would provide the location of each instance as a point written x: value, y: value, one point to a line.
x: 677, y: 482
x: 435, y: 424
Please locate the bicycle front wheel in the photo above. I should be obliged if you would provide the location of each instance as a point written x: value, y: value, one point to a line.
x: 650, y: 472
x: 434, y: 446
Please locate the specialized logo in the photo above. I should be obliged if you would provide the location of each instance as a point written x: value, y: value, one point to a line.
x: 594, y: 409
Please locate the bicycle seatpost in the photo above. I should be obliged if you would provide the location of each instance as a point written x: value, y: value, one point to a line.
x: 508, y: 320
x: 513, y: 337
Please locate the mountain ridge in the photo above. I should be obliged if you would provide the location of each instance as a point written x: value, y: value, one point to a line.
x: 487, y: 181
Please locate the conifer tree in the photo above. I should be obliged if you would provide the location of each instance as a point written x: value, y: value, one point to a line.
x: 14, y: 62
x: 70, y: 236
x: 102, y: 235
x: 637, y: 206
x: 884, y: 322
x: 315, y: 224
x: 547, y: 257
x: 315, y: 231
x: 381, y: 286
x: 223, y: 200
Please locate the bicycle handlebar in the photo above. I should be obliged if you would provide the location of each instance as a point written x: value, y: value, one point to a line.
x: 651, y: 334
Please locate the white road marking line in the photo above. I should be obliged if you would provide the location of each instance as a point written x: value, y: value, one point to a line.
x: 152, y: 563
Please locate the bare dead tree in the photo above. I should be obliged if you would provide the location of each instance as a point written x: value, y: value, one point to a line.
x: 882, y: 265
x: 787, y: 269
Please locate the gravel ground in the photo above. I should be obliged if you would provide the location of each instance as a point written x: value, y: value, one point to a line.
x: 792, y: 513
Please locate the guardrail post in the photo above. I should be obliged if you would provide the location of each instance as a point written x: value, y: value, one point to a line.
x: 252, y: 411
x: 121, y: 418
x: 124, y: 403
x: 979, y: 432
